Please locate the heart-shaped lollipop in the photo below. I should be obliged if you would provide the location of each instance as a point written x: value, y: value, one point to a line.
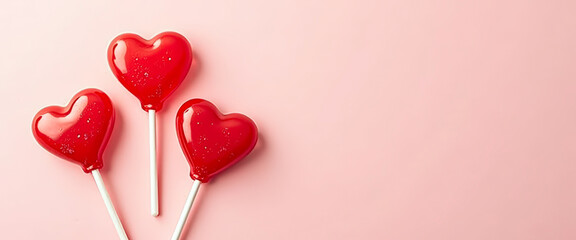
x: 79, y: 133
x: 211, y: 143
x: 150, y: 69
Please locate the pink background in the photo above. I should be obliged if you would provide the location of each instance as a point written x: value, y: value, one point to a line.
x: 379, y: 119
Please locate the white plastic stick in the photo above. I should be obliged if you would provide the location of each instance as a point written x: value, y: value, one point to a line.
x: 109, y: 205
x: 153, y: 164
x: 186, y: 210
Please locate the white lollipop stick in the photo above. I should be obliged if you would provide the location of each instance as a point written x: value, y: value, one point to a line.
x: 109, y: 205
x: 153, y: 164
x: 186, y: 210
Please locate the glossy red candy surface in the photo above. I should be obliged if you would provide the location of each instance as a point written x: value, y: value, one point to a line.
x: 150, y: 69
x: 78, y: 132
x: 212, y: 141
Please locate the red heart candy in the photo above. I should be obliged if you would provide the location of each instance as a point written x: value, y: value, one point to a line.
x: 150, y: 69
x: 78, y: 132
x: 212, y: 141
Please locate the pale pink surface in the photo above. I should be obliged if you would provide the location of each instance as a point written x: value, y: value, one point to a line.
x: 378, y: 119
